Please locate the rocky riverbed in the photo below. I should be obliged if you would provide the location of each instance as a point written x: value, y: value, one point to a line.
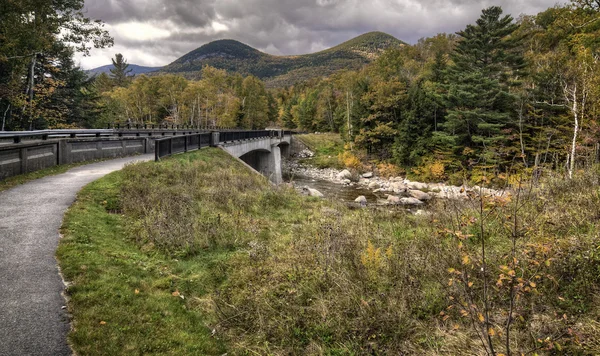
x: 380, y: 191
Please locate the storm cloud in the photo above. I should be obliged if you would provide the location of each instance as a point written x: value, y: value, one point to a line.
x: 156, y: 32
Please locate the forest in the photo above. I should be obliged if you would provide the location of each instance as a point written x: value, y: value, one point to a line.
x: 501, y: 94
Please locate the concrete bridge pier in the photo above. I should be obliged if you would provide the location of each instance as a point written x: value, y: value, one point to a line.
x: 268, y: 163
x: 262, y: 154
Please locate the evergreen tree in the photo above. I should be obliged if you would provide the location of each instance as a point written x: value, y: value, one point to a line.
x: 120, y: 71
x: 486, y: 63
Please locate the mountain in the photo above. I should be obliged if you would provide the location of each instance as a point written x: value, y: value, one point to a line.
x: 278, y: 71
x: 135, y: 69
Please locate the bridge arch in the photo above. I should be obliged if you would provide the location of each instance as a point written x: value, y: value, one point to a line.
x: 262, y: 154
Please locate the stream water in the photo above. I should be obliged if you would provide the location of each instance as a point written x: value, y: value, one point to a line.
x: 332, y: 190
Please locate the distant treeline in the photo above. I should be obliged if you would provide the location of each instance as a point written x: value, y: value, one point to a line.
x: 500, y: 94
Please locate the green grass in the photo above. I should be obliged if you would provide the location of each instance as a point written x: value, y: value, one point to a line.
x: 326, y: 147
x: 272, y: 272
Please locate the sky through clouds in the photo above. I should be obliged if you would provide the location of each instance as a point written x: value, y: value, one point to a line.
x: 156, y: 32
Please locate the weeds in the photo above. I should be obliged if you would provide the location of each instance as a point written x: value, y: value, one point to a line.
x: 267, y: 271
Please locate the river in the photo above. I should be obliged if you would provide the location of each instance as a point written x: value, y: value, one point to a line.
x: 332, y: 190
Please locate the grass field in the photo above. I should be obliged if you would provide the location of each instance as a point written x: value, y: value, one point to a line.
x: 196, y: 255
x: 326, y: 146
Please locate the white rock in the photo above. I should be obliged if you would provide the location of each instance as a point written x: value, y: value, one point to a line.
x: 411, y: 201
x: 397, y: 186
x: 362, y: 200
x: 416, y: 185
x: 368, y: 175
x: 373, y: 185
x: 345, y: 174
x: 346, y: 181
x: 392, y: 199
x: 417, y: 194
x: 313, y: 192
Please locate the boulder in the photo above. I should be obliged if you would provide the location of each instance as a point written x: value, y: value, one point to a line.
x: 392, y: 199
x: 410, y: 201
x: 417, y: 194
x: 416, y: 185
x: 368, y: 175
x: 346, y: 181
x: 313, y: 192
x: 373, y: 185
x: 362, y: 200
x: 345, y: 174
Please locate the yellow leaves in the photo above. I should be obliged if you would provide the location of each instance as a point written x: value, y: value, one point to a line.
x: 470, y: 284
x: 480, y: 317
x: 389, y: 252
x: 371, y: 258
x: 491, y: 332
x: 137, y: 291
x: 464, y: 313
x: 532, y: 284
x: 451, y: 270
x: 466, y: 260
x: 102, y: 322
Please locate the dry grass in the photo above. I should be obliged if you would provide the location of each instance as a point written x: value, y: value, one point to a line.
x: 295, y: 275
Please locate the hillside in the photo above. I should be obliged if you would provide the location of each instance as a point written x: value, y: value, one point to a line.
x: 135, y: 69
x: 278, y: 71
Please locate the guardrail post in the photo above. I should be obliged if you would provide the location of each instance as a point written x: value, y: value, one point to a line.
x: 215, y: 137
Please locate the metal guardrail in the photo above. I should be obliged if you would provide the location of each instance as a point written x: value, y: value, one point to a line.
x: 164, y: 147
x: 17, y: 136
x: 178, y: 144
x: 244, y: 135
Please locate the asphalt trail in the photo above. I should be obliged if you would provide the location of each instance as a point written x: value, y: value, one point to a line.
x: 32, y: 318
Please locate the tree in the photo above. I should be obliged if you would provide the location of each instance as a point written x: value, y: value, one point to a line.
x: 121, y: 70
x: 487, y: 65
x: 34, y: 31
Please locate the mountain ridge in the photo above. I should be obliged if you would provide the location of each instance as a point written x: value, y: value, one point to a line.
x: 135, y: 69
x: 280, y: 71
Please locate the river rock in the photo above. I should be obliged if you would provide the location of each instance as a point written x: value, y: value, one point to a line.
x: 362, y: 200
x: 417, y: 194
x: 346, y: 181
x: 411, y: 201
x: 345, y: 174
x: 368, y: 175
x: 392, y: 199
x: 373, y: 185
x: 416, y: 185
x: 313, y: 192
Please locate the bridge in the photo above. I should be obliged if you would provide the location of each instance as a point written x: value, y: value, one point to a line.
x: 261, y: 150
x: 28, y: 151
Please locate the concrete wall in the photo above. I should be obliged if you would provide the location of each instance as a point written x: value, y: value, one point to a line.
x: 262, y: 154
x: 18, y: 159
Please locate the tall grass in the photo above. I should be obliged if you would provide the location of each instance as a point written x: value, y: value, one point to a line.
x: 298, y: 275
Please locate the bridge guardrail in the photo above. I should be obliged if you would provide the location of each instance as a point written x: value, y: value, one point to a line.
x: 179, y: 144
x: 164, y: 147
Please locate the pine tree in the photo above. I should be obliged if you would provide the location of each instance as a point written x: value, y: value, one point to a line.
x: 481, y: 107
x: 120, y: 71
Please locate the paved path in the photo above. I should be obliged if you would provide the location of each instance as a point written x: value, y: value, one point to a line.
x: 32, y: 321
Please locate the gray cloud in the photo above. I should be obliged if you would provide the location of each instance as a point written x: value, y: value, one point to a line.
x: 156, y: 32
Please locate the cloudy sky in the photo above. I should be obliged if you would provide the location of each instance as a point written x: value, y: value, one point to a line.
x: 156, y: 32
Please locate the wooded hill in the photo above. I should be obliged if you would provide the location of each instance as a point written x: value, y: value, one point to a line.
x: 281, y: 71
